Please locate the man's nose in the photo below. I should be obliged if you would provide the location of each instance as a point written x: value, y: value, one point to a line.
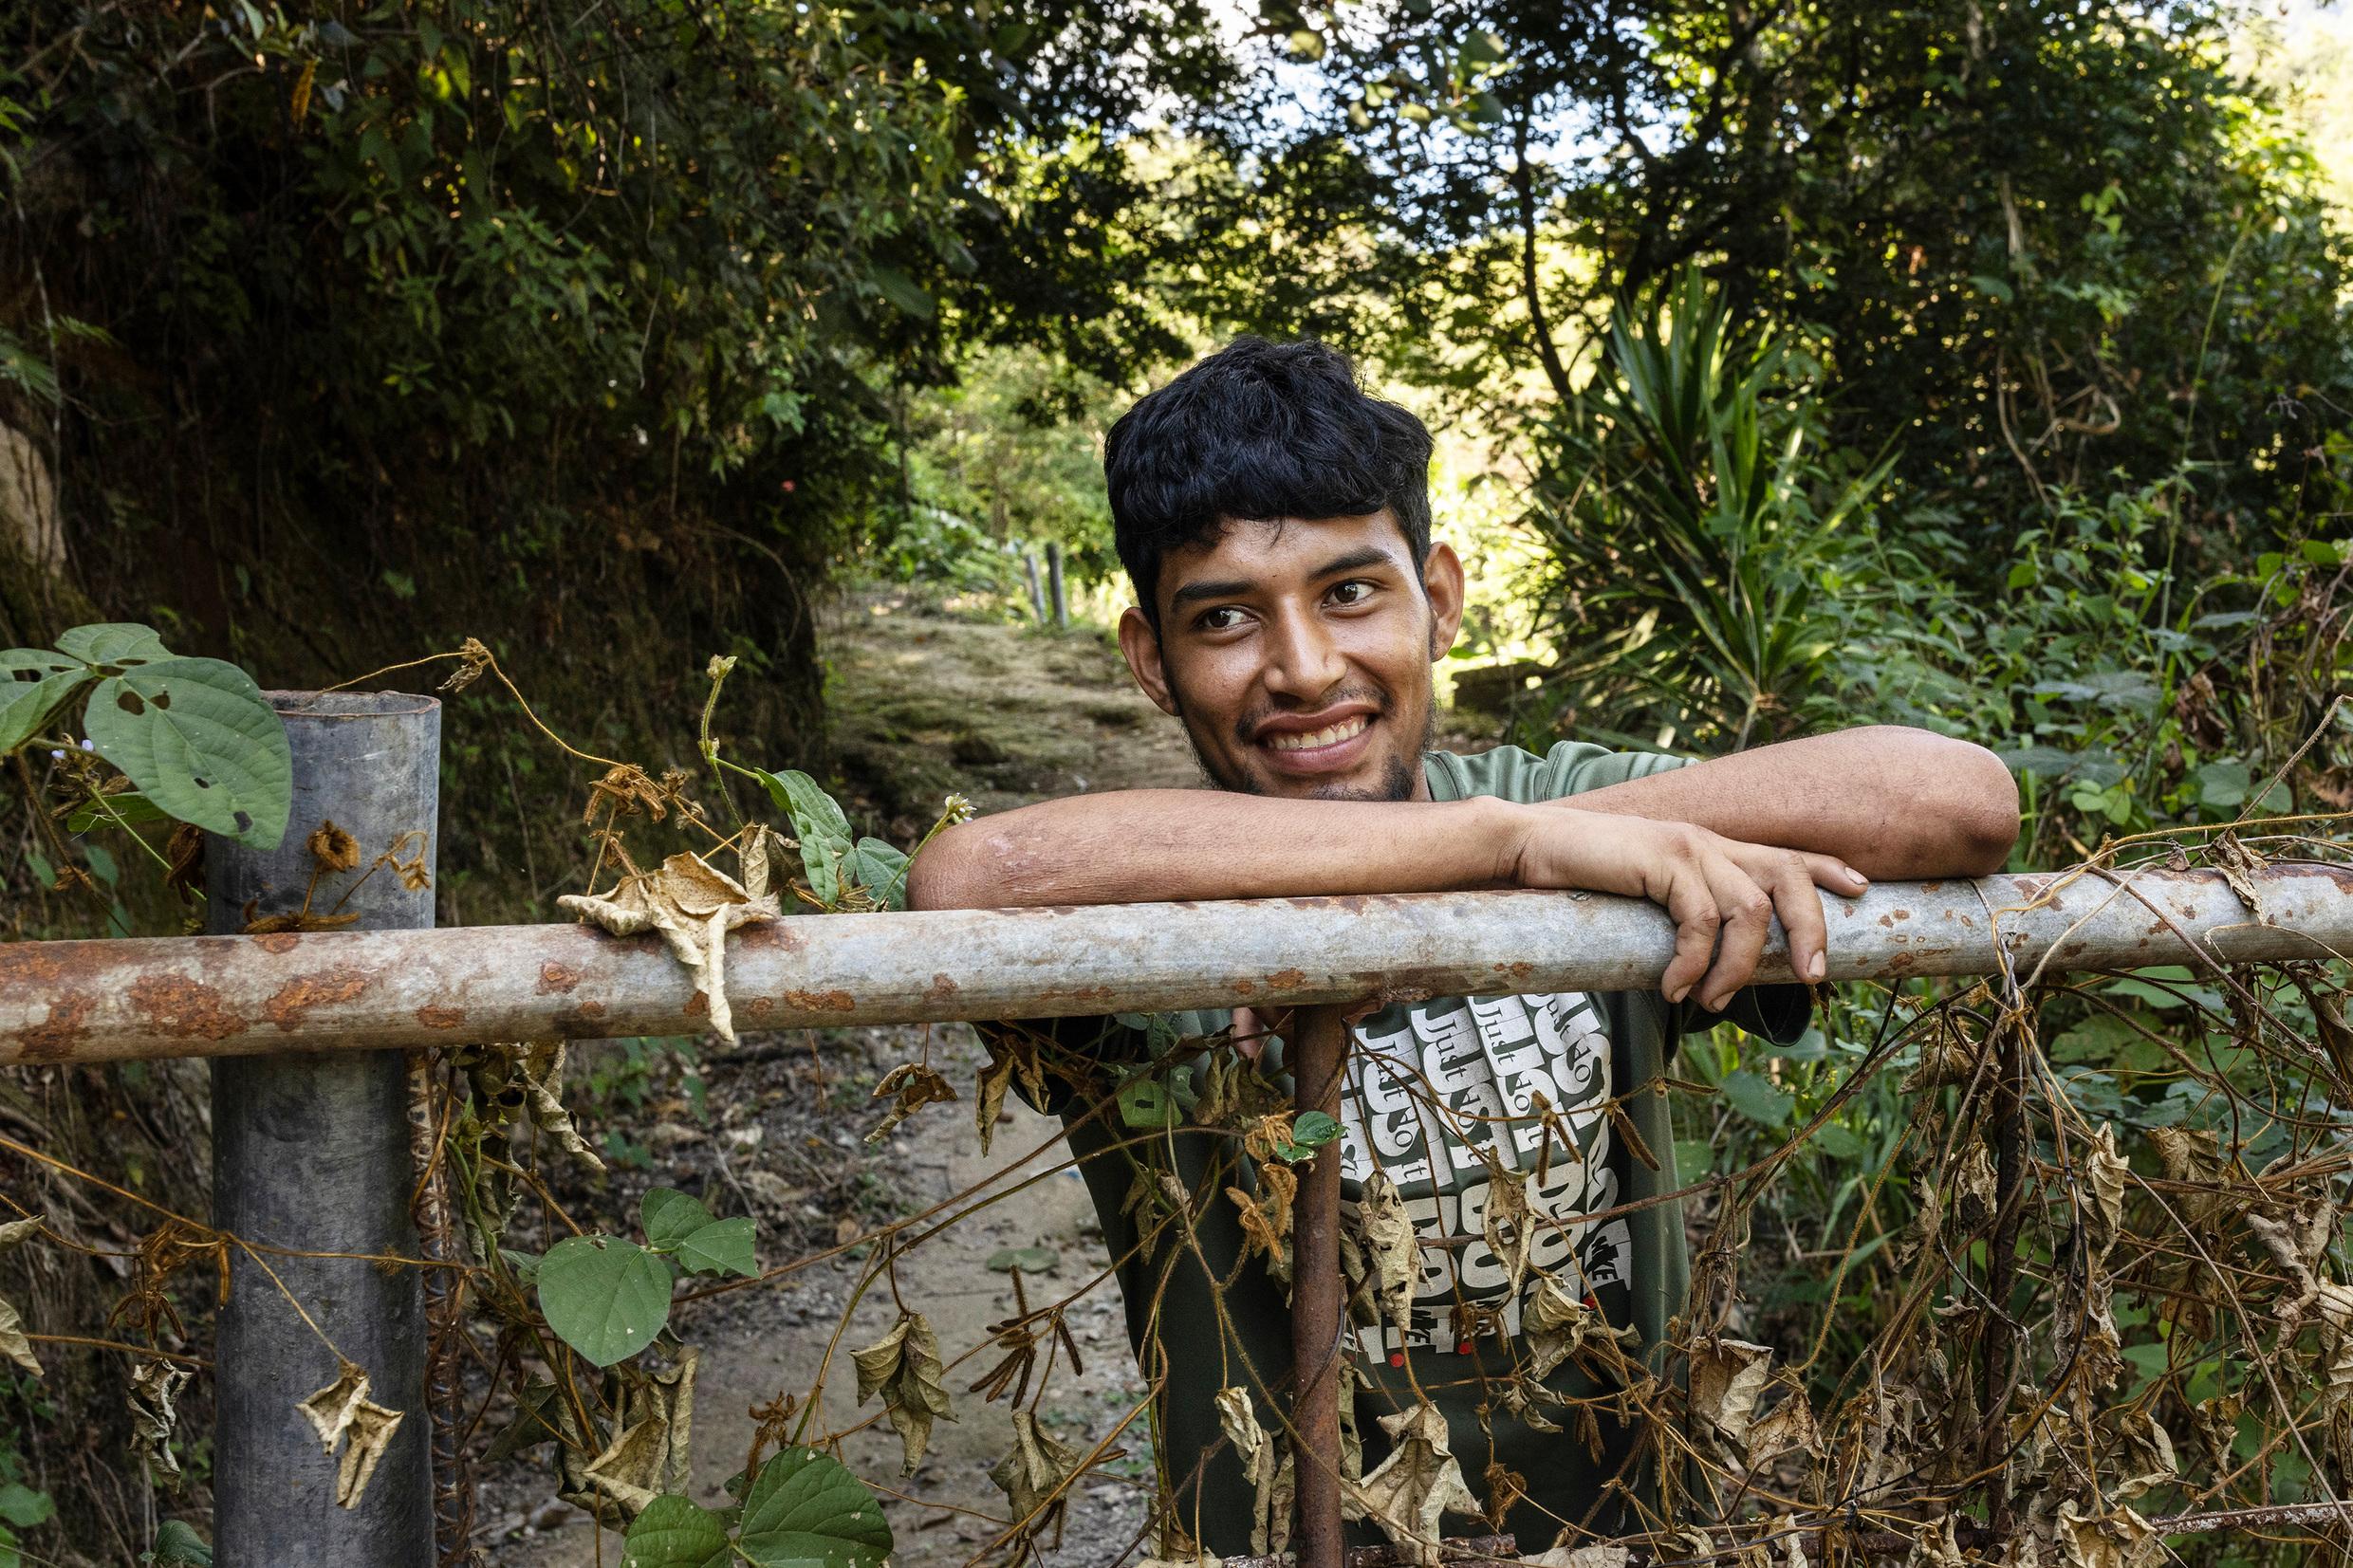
x: 1303, y: 663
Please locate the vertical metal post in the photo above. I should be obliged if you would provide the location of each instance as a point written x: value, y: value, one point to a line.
x: 1054, y: 578
x: 311, y: 1151
x: 1316, y: 1293
x: 1037, y: 593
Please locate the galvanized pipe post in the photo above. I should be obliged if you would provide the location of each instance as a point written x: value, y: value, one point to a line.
x: 310, y: 1151
x: 1316, y: 1294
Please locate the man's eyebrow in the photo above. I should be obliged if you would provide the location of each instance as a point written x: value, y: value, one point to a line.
x: 1192, y: 592
x: 1355, y: 560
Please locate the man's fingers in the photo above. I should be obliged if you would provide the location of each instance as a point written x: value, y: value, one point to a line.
x: 1746, y: 911
x: 1693, y: 908
x: 1834, y: 874
x: 1800, y: 908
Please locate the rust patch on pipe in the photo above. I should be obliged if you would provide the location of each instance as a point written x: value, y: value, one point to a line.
x: 441, y: 1018
x: 1244, y: 988
x: 294, y: 999
x: 24, y: 961
x: 557, y: 979
x: 940, y: 990
x: 279, y: 941
x: 1285, y: 979
x: 760, y: 1006
x: 1902, y: 914
x: 821, y: 1001
x: 54, y: 1038
x: 699, y: 1006
x: 177, y: 1006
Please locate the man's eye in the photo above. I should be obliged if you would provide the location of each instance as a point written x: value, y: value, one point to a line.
x: 1224, y: 618
x: 1352, y: 593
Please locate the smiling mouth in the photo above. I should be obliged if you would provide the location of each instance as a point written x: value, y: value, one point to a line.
x: 1346, y: 729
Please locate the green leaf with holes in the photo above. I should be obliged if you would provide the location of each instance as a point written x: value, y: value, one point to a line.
x: 806, y: 1510
x: 198, y: 738
x: 605, y: 1297
x: 674, y: 1532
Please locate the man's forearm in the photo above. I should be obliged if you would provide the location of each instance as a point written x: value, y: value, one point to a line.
x: 1894, y: 803
x: 1141, y: 845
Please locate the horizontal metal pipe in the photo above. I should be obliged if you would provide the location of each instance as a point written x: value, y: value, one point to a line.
x: 226, y: 995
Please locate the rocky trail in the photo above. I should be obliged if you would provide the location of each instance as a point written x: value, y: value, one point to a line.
x: 924, y: 702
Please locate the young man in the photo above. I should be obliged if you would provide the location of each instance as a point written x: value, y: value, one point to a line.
x: 1276, y: 522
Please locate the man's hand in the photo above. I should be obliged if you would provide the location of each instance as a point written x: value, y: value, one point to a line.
x: 1721, y: 893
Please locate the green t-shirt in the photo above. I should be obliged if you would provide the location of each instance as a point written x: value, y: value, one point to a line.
x: 1435, y: 1090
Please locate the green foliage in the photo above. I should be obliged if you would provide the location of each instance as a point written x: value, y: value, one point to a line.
x: 177, y: 1545
x: 194, y: 736
x: 608, y: 1298
x: 1687, y: 509
x: 803, y: 1510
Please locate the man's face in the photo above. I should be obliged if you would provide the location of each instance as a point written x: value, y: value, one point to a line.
x: 1298, y: 652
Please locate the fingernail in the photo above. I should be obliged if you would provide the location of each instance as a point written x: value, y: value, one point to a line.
x: 1857, y: 874
x: 1815, y: 970
x: 1678, y: 993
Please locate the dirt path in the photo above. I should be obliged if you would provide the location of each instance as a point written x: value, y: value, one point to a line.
x: 924, y: 702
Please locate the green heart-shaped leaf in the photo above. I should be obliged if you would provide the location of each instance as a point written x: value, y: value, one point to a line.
x: 605, y: 1297
x: 805, y: 1510
x: 674, y: 1532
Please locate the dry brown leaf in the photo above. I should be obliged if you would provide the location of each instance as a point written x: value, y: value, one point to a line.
x: 330, y: 1410
x: 1727, y: 1375
x: 1558, y: 1325
x: 653, y: 1435
x: 370, y: 1435
x: 2104, y: 1170
x: 629, y: 1470
x: 905, y: 1369
x: 1507, y: 1222
x: 1035, y: 1477
x: 341, y: 1412
x: 915, y: 1085
x: 1789, y: 1424
x: 2239, y: 866
x: 14, y: 1343
x: 1390, y: 1245
x: 1420, y: 1481
x: 2146, y: 1451
x: 1267, y: 1463
x: 155, y: 1387
x: 1581, y: 1557
x: 694, y: 905
x: 2120, y: 1538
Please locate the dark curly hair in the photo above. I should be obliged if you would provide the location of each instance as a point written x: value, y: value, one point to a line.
x: 1255, y: 431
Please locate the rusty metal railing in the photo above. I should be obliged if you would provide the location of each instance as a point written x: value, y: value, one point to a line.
x: 102, y: 1001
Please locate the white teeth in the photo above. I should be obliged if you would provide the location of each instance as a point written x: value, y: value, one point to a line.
x: 1329, y: 735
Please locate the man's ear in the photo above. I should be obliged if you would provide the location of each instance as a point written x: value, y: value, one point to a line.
x: 1140, y: 646
x: 1441, y: 583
